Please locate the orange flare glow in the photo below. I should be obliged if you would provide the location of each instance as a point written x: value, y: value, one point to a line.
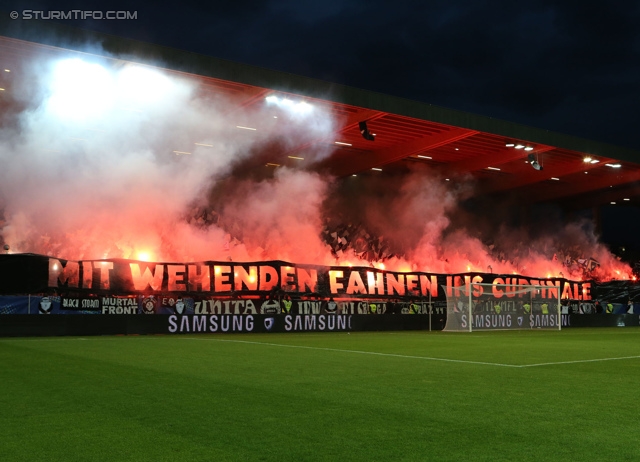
x: 144, y: 256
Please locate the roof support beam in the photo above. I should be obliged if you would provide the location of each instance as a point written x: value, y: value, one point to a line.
x: 536, y: 176
x: 630, y: 191
x: 344, y: 126
x: 586, y: 185
x: 494, y: 160
x: 249, y: 96
x: 388, y: 155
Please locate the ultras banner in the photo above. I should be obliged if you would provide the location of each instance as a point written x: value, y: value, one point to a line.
x: 153, y: 304
x: 86, y: 286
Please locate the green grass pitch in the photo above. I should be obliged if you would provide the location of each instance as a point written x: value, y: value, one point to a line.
x: 513, y: 396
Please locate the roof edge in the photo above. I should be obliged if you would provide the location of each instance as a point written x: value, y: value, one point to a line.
x: 59, y: 35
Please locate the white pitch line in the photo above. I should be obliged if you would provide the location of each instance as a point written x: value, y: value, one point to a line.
x: 427, y: 358
x: 374, y: 353
x: 580, y: 361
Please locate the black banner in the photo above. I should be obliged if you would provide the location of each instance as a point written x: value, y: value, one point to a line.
x: 123, y: 287
x: 25, y: 273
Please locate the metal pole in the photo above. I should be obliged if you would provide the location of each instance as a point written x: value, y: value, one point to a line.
x: 559, y: 309
x: 470, y: 318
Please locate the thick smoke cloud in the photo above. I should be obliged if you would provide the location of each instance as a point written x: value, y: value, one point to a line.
x: 109, y: 159
x: 105, y: 160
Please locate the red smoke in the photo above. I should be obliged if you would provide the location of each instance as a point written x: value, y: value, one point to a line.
x: 125, y: 184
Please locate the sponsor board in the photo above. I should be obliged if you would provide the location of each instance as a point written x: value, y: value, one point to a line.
x: 236, y: 323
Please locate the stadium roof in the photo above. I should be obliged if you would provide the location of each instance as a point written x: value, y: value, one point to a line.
x: 453, y: 142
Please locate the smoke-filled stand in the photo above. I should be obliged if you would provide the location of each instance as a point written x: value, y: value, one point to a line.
x: 216, y: 197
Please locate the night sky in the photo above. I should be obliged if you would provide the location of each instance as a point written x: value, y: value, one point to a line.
x: 572, y: 67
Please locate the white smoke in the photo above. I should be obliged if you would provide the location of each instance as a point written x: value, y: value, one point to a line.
x: 107, y: 157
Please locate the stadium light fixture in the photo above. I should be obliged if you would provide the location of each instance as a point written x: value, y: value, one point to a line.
x: 528, y: 148
x: 366, y: 134
x: 534, y: 162
x: 587, y: 159
x: 300, y: 108
x: 510, y: 145
x: 377, y: 169
x: 614, y: 165
x: 519, y: 146
x: 594, y: 161
x: 493, y: 168
x: 343, y: 143
x: 424, y: 157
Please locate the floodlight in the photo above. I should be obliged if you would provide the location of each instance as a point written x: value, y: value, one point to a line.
x: 80, y: 90
x: 366, y: 134
x: 534, y: 162
x: 141, y: 85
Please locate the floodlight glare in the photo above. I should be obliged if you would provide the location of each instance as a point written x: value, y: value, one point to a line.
x: 300, y: 108
x: 140, y: 85
x: 80, y: 90
x: 303, y: 108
